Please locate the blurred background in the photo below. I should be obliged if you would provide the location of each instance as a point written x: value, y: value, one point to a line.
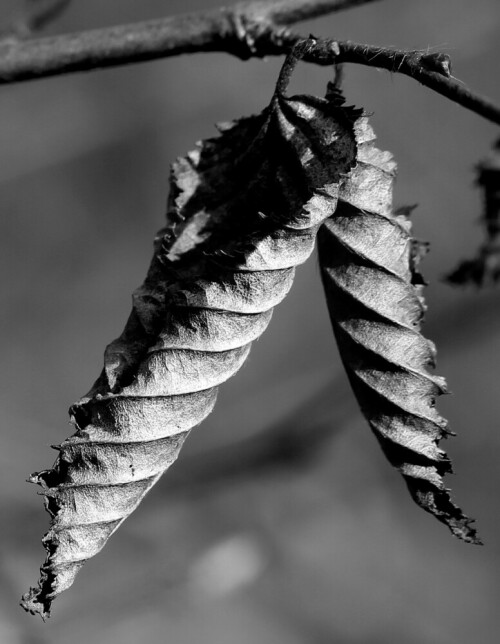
x: 324, y: 550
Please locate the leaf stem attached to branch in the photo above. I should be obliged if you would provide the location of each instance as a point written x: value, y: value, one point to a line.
x: 246, y: 30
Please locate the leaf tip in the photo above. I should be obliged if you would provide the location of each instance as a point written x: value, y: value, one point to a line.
x: 32, y: 604
x: 438, y: 502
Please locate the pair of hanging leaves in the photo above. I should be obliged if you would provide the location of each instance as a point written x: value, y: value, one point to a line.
x: 245, y: 209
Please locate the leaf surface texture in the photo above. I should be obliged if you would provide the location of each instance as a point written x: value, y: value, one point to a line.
x: 243, y: 211
x: 369, y: 263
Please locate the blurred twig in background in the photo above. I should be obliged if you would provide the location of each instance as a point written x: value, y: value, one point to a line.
x: 36, y: 15
x: 246, y: 30
x: 295, y: 441
x: 484, y: 268
x: 251, y: 30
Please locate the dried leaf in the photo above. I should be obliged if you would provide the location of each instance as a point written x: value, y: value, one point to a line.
x: 484, y: 268
x: 244, y: 210
x: 369, y: 269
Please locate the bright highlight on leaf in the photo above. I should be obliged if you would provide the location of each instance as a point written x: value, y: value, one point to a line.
x: 484, y: 268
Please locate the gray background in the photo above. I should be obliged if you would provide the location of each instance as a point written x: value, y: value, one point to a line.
x: 331, y: 551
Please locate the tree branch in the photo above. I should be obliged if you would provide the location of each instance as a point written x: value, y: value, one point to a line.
x: 288, y: 12
x: 245, y: 30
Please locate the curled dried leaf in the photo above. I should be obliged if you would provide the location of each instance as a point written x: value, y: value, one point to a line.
x: 243, y: 211
x: 369, y: 269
